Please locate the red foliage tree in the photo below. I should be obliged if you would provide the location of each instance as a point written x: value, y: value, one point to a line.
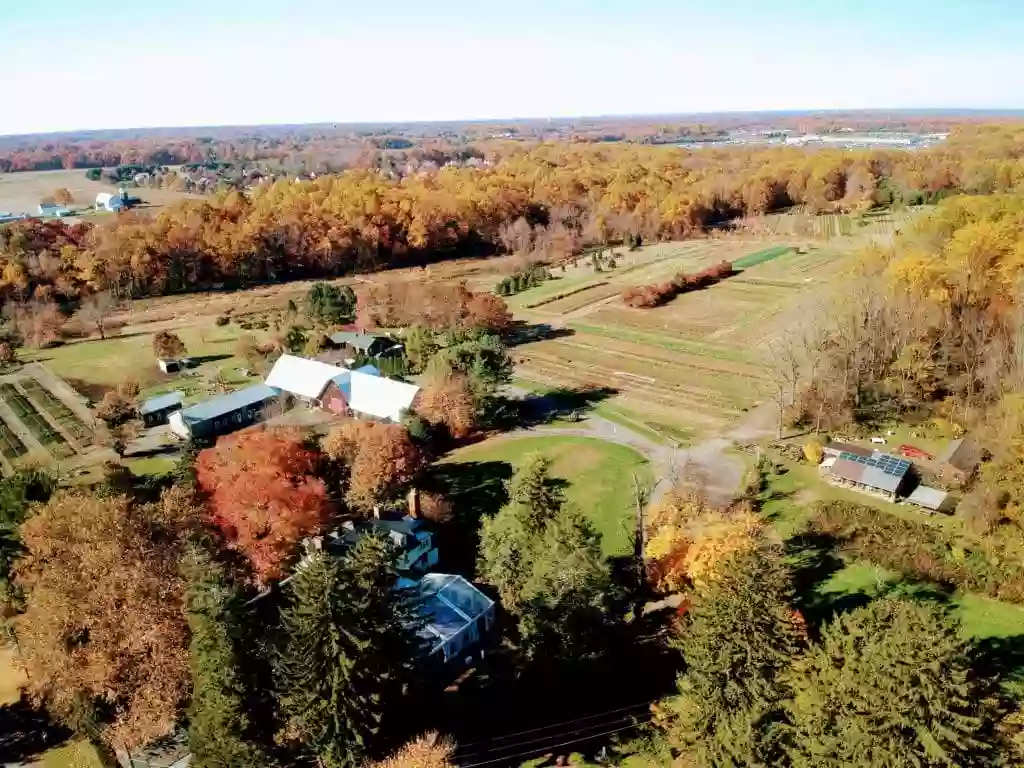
x: 647, y: 296
x: 262, y: 495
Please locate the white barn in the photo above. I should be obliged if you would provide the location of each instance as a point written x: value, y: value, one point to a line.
x: 109, y: 202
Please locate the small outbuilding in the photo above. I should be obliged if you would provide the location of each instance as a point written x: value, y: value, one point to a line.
x: 929, y: 498
x: 961, y: 460
x: 110, y: 202
x: 362, y: 343
x: 157, y: 410
x: 53, y: 210
x: 169, y: 366
x: 225, y: 413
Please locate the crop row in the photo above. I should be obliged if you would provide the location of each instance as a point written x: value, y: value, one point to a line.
x: 35, y: 423
x: 58, y: 410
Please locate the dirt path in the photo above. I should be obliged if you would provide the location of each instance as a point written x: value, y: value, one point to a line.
x: 721, y: 472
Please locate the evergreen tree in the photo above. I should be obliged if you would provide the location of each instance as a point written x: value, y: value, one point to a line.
x: 567, y: 592
x: 349, y: 645
x: 533, y: 488
x: 545, y: 560
x: 892, y: 684
x: 738, y: 638
x: 330, y: 304
x: 218, y: 723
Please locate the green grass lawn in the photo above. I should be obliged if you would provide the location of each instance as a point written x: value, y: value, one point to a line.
x: 760, y: 257
x: 599, y: 474
x: 151, y: 465
x: 75, y: 754
x: 106, y: 362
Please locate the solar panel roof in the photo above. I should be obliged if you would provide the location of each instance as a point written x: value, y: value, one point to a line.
x: 890, y: 465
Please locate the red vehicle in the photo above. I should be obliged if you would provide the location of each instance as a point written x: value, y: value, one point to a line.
x: 912, y: 452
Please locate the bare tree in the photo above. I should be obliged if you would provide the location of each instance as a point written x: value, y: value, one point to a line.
x: 785, y: 363
x: 96, y: 310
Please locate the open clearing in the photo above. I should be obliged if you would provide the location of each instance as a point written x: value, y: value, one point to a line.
x: 599, y: 474
x: 693, y: 365
x: 21, y: 192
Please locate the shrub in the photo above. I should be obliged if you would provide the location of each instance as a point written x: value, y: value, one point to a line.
x: 648, y: 296
x: 920, y: 551
x: 222, y: 320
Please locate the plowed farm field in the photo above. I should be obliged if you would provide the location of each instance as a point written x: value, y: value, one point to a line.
x: 694, y: 365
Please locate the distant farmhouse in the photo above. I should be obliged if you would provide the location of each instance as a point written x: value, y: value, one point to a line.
x: 105, y: 201
x: 225, y: 413
x: 354, y: 344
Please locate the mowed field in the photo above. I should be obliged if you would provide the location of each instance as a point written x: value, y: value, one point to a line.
x: 21, y: 192
x: 693, y: 365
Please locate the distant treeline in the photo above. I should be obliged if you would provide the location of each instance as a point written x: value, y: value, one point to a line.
x: 547, y: 202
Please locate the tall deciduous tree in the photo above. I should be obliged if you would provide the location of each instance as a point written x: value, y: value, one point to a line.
x: 96, y: 310
x: 218, y: 721
x: 739, y: 639
x: 347, y: 654
x: 447, y: 400
x: 262, y: 495
x: 382, y: 459
x: 167, y: 345
x: 103, y: 622
x: 892, y: 684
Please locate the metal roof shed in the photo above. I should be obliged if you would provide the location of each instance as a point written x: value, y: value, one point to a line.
x: 928, y: 498
x: 161, y: 402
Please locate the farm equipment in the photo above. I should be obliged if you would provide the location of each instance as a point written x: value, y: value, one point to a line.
x: 912, y: 452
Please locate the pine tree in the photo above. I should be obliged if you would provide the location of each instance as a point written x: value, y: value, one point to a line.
x: 567, y: 592
x: 738, y: 639
x: 892, y: 684
x: 218, y: 722
x: 348, y: 650
x: 533, y: 488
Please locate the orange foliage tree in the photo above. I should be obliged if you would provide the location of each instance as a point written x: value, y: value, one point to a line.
x: 263, y: 496
x: 103, y: 619
x: 446, y: 398
x: 382, y: 458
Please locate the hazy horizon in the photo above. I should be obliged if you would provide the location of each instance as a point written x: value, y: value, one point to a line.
x: 66, y: 67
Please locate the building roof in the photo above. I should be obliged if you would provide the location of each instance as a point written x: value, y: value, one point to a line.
x: 837, y: 447
x: 379, y: 397
x: 233, y: 401
x: 302, y: 376
x: 361, y: 341
x: 879, y: 470
x: 161, y: 402
x: 448, y: 604
x: 365, y: 389
x: 405, y: 533
x: 929, y: 498
x: 964, y: 454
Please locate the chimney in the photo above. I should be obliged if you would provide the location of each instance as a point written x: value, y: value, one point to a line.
x: 414, y: 502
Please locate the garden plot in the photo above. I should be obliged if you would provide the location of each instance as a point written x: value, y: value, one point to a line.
x: 697, y: 363
x: 42, y: 417
x: 38, y: 427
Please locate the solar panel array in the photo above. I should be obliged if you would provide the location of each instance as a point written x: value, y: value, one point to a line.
x: 891, y: 465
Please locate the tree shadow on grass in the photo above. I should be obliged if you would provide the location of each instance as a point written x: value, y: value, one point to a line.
x: 26, y: 732
x: 196, y: 360
x: 476, y: 490
x: 525, y: 333
x: 540, y: 408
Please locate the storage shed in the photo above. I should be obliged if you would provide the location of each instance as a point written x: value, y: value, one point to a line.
x: 362, y: 343
x: 961, y: 459
x: 225, y: 413
x: 929, y: 498
x: 157, y: 410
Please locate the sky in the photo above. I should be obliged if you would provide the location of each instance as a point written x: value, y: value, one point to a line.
x: 72, y: 64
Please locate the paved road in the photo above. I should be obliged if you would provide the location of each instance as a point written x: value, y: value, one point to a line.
x: 721, y: 473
